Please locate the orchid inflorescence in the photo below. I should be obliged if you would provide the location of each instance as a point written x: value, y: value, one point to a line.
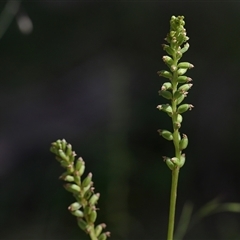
x: 84, y: 208
x: 175, y: 89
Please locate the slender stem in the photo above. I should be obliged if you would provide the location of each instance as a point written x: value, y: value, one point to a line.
x: 175, y: 171
x: 173, y: 198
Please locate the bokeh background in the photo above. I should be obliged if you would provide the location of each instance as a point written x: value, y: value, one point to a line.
x: 86, y: 71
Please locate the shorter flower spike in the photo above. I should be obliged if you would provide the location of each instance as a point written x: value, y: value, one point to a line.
x: 84, y: 208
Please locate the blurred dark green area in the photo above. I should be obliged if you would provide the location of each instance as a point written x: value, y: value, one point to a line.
x: 86, y: 72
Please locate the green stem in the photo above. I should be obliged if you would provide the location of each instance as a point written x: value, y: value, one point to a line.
x: 175, y: 171
x: 173, y: 199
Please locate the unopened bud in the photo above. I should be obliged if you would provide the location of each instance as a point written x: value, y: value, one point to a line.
x: 185, y: 87
x: 73, y: 188
x: 184, y: 142
x: 87, y: 181
x: 181, y: 71
x: 164, y: 73
x: 168, y: 49
x: 183, y: 79
x: 74, y: 206
x: 184, y: 107
x: 82, y: 224
x: 93, y: 216
x: 94, y: 198
x: 165, y: 94
x: 78, y: 213
x: 166, y: 134
x: 169, y: 163
x: 185, y: 48
x: 168, y: 60
x: 166, y: 85
x: 165, y: 108
x: 182, y: 160
x: 185, y: 65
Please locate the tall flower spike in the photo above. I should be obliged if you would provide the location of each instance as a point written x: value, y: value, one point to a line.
x: 175, y: 91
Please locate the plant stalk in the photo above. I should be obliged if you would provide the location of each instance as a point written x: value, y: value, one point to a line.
x: 173, y: 198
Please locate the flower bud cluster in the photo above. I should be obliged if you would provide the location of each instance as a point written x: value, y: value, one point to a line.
x: 176, y: 88
x: 84, y: 208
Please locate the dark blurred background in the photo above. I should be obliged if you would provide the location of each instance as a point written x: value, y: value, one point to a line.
x: 86, y: 71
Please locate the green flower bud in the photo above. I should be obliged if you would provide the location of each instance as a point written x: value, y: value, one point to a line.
x: 104, y: 236
x: 82, y: 224
x: 168, y: 49
x: 165, y: 108
x: 74, y: 206
x: 184, y: 142
x: 87, y: 210
x: 80, y: 166
x: 185, y: 65
x: 185, y: 87
x: 181, y: 71
x: 67, y: 178
x: 77, y: 178
x: 78, y: 214
x: 184, y: 107
x: 177, y: 95
x: 175, y: 161
x: 165, y: 94
x: 99, y: 228
x: 185, y: 48
x: 72, y: 157
x: 166, y: 134
x: 93, y: 216
x: 87, y: 181
x: 164, y: 73
x: 69, y: 150
x: 70, y: 168
x: 183, y: 79
x: 64, y: 164
x: 181, y: 98
x: 169, y: 163
x: 88, y: 193
x: 94, y: 198
x: 182, y: 160
x: 63, y: 155
x: 85, y: 189
x: 168, y: 60
x: 53, y: 149
x: 178, y: 54
x: 166, y: 85
x: 73, y: 188
x: 64, y: 144
x: 59, y: 144
x: 179, y: 118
